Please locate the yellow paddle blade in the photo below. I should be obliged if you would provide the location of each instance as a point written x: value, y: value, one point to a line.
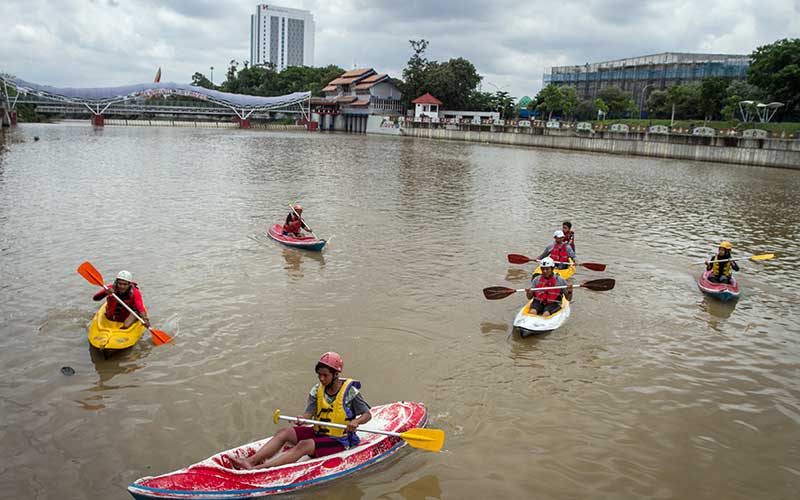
x: 276, y: 416
x: 424, y: 439
x: 766, y: 256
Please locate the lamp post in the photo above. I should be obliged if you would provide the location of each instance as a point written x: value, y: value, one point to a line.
x: 212, y: 76
x: 641, y: 100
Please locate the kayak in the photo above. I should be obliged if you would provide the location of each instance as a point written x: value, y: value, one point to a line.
x: 564, y: 273
x: 106, y: 334
x: 528, y: 322
x: 722, y: 291
x: 306, y: 242
x: 215, y: 478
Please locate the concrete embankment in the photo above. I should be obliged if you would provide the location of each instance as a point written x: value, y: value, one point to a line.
x: 759, y: 152
x: 193, y: 124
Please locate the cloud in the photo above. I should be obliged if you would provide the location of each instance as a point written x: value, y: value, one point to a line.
x: 511, y: 42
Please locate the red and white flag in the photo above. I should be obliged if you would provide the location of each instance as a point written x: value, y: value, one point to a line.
x: 158, y: 75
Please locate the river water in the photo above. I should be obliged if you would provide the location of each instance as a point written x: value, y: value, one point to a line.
x: 649, y: 390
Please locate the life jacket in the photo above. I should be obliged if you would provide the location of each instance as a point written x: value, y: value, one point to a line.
x: 294, y: 224
x: 116, y: 311
x: 569, y: 237
x: 547, y: 296
x: 335, y: 413
x: 721, y: 268
x: 559, y: 253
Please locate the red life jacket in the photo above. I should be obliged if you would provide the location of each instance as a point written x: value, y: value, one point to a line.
x: 559, y: 253
x: 569, y: 237
x: 547, y: 296
x: 294, y: 224
x: 117, y: 312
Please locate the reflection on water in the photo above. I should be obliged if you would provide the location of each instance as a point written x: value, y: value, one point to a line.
x: 294, y: 257
x: 425, y: 488
x: 109, y: 364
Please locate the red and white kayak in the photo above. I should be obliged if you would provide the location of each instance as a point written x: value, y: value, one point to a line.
x: 722, y: 291
x: 306, y: 242
x: 215, y: 478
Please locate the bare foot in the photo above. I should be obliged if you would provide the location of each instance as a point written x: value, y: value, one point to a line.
x: 240, y: 463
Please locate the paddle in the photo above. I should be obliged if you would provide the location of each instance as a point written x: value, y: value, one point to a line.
x: 765, y: 256
x: 501, y: 292
x: 93, y: 276
x: 424, y: 439
x: 301, y: 220
x: 516, y: 258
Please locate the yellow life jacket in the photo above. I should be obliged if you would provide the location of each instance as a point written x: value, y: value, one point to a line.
x: 725, y: 267
x: 334, y: 413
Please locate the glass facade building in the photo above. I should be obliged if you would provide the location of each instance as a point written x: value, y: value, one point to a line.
x: 281, y: 36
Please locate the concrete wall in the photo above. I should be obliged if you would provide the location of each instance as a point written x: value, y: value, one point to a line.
x: 382, y: 125
x: 786, y: 157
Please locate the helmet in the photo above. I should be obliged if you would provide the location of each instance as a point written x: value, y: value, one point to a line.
x: 547, y: 262
x: 125, y: 276
x: 558, y: 234
x: 297, y: 208
x: 332, y: 360
x: 726, y: 245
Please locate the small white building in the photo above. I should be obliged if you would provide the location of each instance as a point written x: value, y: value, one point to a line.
x: 426, y: 106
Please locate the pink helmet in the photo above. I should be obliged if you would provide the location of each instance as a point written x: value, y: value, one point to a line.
x: 332, y: 360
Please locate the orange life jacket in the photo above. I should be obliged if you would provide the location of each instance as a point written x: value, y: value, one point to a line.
x: 559, y: 253
x: 547, y: 296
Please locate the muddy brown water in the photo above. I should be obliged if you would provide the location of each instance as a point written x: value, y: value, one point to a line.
x: 650, y: 390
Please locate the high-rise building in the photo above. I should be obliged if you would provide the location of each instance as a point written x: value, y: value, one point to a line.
x: 281, y: 36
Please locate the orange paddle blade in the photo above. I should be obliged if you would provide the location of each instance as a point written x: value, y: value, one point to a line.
x: 515, y: 258
x: 91, y: 274
x: 159, y: 336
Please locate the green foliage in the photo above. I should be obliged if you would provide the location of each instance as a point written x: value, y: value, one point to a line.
x: 549, y: 100
x: 713, y: 92
x: 452, y: 82
x: 265, y: 81
x: 776, y: 69
x: 620, y: 103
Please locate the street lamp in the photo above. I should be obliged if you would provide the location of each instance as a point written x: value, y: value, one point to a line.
x: 641, y: 100
x: 212, y: 76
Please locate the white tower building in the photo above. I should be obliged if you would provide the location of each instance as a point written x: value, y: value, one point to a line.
x: 281, y: 36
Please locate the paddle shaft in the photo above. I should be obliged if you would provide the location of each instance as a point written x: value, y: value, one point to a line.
x: 302, y: 221
x: 742, y: 258
x: 338, y: 426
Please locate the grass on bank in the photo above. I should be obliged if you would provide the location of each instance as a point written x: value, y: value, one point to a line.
x: 788, y: 127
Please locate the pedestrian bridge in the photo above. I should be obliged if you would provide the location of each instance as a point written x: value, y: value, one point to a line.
x: 132, y: 99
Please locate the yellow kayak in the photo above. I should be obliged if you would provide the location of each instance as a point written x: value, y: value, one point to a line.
x: 564, y: 273
x: 107, y: 334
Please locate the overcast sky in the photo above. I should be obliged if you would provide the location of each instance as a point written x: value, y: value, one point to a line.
x: 511, y: 42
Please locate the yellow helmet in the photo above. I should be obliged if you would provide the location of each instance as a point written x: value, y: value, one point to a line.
x: 726, y: 245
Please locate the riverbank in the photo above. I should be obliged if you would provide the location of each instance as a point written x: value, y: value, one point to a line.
x: 764, y: 152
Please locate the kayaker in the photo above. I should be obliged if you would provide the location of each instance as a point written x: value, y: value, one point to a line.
x: 127, y: 290
x: 294, y: 223
x: 559, y: 251
x: 569, y: 234
x: 721, y: 271
x: 332, y: 400
x: 547, y: 302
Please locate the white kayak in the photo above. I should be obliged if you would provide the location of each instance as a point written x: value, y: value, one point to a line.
x: 529, y: 322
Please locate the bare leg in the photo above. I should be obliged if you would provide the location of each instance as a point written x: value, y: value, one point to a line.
x: 270, y: 448
x: 128, y: 322
x: 304, y: 447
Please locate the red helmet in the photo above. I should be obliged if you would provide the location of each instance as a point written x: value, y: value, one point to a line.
x: 298, y: 208
x: 332, y: 360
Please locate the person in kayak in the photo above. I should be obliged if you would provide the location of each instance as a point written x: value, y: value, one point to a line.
x: 294, y: 223
x: 721, y: 272
x: 332, y: 400
x: 569, y: 234
x: 559, y: 251
x: 547, y: 302
x: 127, y: 290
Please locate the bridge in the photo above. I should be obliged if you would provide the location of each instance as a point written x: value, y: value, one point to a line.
x: 143, y: 99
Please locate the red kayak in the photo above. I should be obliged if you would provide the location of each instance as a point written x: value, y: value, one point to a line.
x: 215, y: 478
x: 306, y: 242
x: 722, y: 291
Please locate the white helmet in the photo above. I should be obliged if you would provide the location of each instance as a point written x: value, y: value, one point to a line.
x: 547, y: 262
x: 558, y: 234
x: 125, y: 276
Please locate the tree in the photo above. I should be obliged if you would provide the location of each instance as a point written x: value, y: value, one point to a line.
x: 656, y: 104
x: 569, y: 101
x: 737, y: 92
x: 776, y: 69
x: 685, y: 99
x: 414, y: 72
x: 200, y: 80
x: 549, y: 99
x: 713, y: 92
x: 620, y: 103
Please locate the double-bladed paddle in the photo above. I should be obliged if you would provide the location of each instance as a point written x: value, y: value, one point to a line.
x: 765, y: 256
x: 93, y: 276
x: 516, y: 258
x: 424, y: 439
x: 303, y: 221
x: 501, y: 292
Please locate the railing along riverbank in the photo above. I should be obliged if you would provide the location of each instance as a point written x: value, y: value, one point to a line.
x: 750, y: 147
x: 201, y: 124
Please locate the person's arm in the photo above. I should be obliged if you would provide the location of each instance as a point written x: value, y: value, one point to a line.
x: 139, y: 307
x: 567, y: 292
x: 571, y: 252
x: 546, y: 252
x: 102, y: 294
x: 734, y: 265
x: 709, y: 264
x: 534, y: 283
x: 361, y: 408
